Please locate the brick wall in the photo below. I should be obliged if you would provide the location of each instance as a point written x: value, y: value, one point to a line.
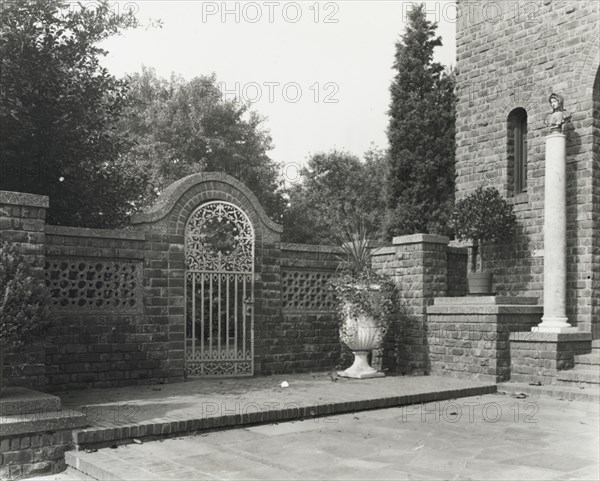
x: 306, y: 336
x: 418, y: 265
x: 468, y: 337
x: 107, y: 333
x: 119, y: 295
x: 537, y: 357
x: 23, y: 221
x: 514, y: 54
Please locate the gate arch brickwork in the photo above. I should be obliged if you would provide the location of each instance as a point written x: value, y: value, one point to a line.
x: 165, y: 225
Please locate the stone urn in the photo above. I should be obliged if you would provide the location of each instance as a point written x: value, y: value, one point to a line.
x: 361, y: 334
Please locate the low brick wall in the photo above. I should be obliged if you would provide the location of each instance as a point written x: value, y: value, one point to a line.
x: 469, y: 337
x: 22, y: 222
x: 537, y: 357
x: 305, y: 338
x: 100, y: 289
x: 31, y: 455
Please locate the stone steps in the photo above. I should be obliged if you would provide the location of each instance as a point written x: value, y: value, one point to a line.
x: 94, y: 466
x: 581, y: 373
x: 593, y: 358
x: 588, y: 393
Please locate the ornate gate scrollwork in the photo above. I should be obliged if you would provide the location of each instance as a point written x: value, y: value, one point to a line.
x: 219, y: 290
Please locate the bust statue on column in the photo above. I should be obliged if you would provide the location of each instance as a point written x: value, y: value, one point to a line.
x: 555, y: 222
x: 559, y: 115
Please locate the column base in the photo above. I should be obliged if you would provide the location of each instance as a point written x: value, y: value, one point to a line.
x: 557, y: 330
x: 555, y: 324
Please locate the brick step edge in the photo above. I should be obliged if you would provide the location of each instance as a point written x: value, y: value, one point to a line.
x: 102, y: 437
x: 591, y: 393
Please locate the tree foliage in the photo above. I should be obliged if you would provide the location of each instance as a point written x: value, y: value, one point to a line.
x: 420, y: 182
x: 59, y: 110
x: 336, y: 192
x: 484, y: 215
x: 182, y: 127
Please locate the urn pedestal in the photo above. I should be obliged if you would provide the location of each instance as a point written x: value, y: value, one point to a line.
x: 362, y: 336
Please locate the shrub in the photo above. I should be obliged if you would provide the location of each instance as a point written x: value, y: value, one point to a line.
x: 23, y: 301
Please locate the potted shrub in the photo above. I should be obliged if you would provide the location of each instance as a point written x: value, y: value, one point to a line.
x: 23, y: 302
x: 367, y: 303
x: 483, y: 216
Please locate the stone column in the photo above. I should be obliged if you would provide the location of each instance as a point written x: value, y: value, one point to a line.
x: 555, y: 238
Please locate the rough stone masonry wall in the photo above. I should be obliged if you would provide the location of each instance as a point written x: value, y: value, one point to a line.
x: 514, y: 54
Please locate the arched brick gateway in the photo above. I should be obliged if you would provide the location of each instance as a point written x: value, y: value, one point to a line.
x: 169, y: 223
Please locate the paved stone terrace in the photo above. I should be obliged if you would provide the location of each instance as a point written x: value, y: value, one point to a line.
x: 485, y: 437
x: 120, y: 415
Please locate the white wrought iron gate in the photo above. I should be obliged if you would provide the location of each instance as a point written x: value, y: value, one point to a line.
x: 219, y: 291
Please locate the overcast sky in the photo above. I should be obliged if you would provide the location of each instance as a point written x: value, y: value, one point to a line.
x: 319, y: 71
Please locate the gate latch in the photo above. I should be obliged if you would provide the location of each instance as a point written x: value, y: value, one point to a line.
x: 248, y: 302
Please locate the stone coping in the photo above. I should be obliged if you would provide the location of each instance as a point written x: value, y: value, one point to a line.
x: 288, y: 246
x: 40, y: 422
x: 171, y: 195
x: 24, y: 199
x: 20, y: 400
x: 556, y: 337
x: 476, y: 309
x: 420, y: 239
x: 97, y: 233
x: 383, y: 251
x: 484, y: 300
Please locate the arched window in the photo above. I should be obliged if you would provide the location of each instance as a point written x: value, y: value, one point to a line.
x: 517, y: 150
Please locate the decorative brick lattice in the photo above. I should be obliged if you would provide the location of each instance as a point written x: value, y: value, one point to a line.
x: 307, y: 290
x: 78, y: 284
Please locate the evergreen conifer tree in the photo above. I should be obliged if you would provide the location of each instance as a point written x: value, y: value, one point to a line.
x: 420, y: 177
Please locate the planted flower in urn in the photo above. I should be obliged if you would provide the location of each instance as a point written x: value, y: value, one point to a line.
x: 367, y: 303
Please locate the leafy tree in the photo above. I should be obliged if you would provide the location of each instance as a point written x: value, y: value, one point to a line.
x: 420, y: 182
x: 337, y: 192
x: 59, y: 109
x: 483, y: 216
x: 182, y: 127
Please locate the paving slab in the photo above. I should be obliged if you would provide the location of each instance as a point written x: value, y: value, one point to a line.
x: 122, y: 415
x: 490, y: 437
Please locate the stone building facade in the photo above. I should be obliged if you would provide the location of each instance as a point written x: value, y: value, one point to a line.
x: 510, y: 57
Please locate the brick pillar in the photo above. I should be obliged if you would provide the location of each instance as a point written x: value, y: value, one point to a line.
x: 418, y: 264
x: 23, y: 222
